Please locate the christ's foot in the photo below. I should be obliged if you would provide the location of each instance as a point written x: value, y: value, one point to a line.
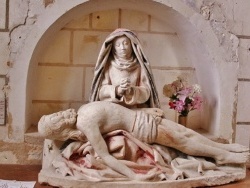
x: 233, y: 158
x: 237, y: 148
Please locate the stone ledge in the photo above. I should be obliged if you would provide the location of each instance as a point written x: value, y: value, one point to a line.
x: 49, y: 177
x: 33, y: 137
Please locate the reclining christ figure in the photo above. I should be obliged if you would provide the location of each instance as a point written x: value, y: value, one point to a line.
x: 95, y: 119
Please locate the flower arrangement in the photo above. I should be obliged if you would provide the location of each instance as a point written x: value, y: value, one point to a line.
x: 183, y: 98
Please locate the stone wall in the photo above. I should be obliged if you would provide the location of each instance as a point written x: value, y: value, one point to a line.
x: 178, y: 37
x: 71, y: 56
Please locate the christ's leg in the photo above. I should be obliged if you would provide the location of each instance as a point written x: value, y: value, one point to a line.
x: 202, y: 139
x: 188, y: 141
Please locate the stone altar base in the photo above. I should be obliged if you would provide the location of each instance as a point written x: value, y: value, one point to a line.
x: 48, y: 176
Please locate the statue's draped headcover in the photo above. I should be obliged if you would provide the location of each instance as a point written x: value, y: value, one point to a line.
x: 144, y: 63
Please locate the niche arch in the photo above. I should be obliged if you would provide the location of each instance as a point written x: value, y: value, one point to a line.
x: 194, y: 30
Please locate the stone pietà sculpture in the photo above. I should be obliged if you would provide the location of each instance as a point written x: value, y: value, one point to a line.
x: 121, y: 136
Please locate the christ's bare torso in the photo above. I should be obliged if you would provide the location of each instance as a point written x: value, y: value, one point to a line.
x: 108, y: 117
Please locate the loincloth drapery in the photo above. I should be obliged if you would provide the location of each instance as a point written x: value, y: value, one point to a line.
x: 145, y: 127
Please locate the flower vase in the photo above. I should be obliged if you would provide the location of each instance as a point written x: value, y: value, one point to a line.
x: 182, y: 120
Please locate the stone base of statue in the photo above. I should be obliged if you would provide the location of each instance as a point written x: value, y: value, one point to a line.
x: 48, y: 175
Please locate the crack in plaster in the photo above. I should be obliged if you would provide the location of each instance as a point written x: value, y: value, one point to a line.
x: 14, y: 29
x: 213, y: 12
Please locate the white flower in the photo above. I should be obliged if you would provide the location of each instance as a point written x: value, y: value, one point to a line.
x: 197, y: 88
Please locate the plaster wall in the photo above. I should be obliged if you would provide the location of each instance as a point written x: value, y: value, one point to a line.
x: 49, y: 48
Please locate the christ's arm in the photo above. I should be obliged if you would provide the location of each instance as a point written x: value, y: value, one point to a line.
x: 95, y: 138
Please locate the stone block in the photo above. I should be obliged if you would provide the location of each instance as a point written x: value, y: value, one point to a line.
x: 244, y: 58
x: 86, y: 46
x: 59, y: 83
x: 59, y: 49
x: 4, y: 55
x: 241, y: 10
x: 76, y: 105
x: 3, y: 103
x: 243, y: 106
x: 35, y: 153
x: 241, y: 15
x: 235, y: 27
x: 224, y: 8
x: 89, y: 74
x: 243, y: 135
x: 2, y: 14
x: 164, y: 50
x: 79, y: 23
x: 3, y: 132
x: 42, y: 108
x: 134, y: 20
x: 8, y: 157
x: 105, y: 19
x: 158, y: 25
x: 18, y: 12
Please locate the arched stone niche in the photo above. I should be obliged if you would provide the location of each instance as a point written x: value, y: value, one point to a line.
x: 197, y: 36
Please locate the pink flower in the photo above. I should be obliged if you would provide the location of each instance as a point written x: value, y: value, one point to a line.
x: 183, y: 94
x: 197, y: 102
x: 179, y: 106
x: 183, y: 98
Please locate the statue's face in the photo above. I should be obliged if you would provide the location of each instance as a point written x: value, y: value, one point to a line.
x: 122, y: 47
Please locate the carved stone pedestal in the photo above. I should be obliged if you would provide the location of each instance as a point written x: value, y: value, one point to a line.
x: 48, y: 176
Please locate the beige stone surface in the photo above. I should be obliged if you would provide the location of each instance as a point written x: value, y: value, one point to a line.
x: 89, y: 74
x: 134, y: 20
x: 59, y: 49
x: 157, y: 25
x: 79, y: 23
x: 4, y: 56
x: 105, y: 19
x: 2, y: 14
x: 41, y: 108
x: 242, y: 135
x: 244, y: 59
x: 20, y: 153
x: 18, y: 13
x: 59, y: 83
x: 243, y: 102
x: 8, y: 157
x: 164, y: 50
x: 241, y: 15
x: 86, y: 46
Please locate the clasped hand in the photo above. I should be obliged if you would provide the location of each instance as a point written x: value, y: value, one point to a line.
x: 124, y: 87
